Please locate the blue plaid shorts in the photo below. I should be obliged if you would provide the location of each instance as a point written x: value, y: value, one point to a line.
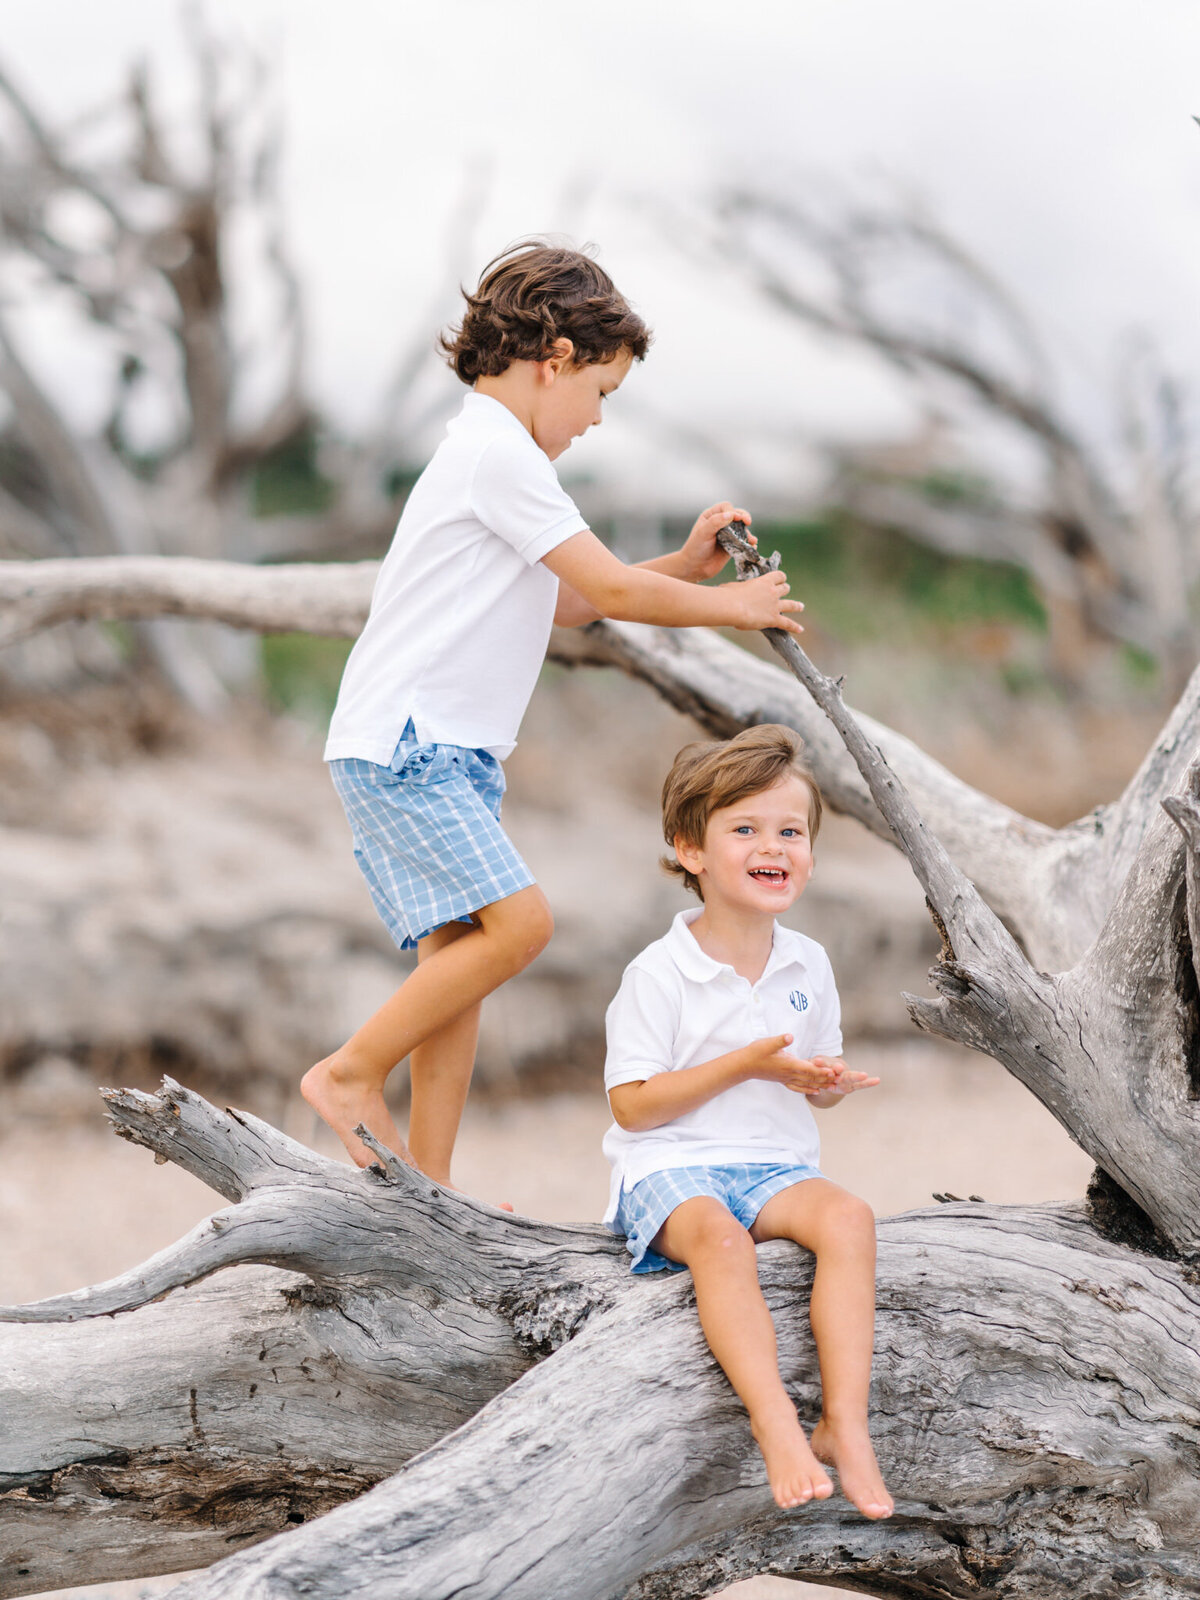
x: 743, y: 1187
x: 427, y: 834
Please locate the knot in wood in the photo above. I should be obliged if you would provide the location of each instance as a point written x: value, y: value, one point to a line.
x: 316, y: 1295
x: 546, y: 1320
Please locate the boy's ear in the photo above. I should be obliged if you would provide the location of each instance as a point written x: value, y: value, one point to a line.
x: 689, y: 856
x: 557, y: 359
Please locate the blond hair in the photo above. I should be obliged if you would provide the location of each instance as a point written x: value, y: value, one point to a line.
x: 714, y: 774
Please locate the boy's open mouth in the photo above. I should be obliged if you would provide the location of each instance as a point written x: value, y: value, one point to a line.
x: 769, y: 874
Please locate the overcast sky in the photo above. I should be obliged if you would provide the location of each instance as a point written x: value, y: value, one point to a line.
x: 1054, y: 136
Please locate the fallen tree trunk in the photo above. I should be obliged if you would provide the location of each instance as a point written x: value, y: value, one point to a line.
x: 1053, y: 887
x: 1036, y: 1403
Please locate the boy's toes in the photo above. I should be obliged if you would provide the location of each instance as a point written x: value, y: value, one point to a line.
x: 799, y: 1491
x: 788, y: 1496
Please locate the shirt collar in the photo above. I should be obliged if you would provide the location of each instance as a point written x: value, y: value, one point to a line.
x: 700, y: 967
x: 495, y: 411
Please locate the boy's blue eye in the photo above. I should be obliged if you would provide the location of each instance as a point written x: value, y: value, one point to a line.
x: 743, y: 827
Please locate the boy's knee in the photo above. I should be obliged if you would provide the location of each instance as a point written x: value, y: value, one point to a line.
x: 850, y: 1218
x: 525, y: 923
x: 537, y: 929
x: 724, y: 1238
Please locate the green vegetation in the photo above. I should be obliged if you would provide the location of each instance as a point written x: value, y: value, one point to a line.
x: 301, y: 673
x: 946, y: 486
x: 865, y: 585
x: 1139, y: 668
x: 399, y: 481
x: 289, y: 481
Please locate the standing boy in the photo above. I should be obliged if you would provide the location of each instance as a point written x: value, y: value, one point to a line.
x: 490, y: 551
x: 722, y: 1036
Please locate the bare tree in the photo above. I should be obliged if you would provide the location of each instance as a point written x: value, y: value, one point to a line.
x: 537, y: 1423
x: 123, y: 223
x: 1111, y: 537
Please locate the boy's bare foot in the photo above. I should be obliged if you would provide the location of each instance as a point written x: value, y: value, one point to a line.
x: 849, y: 1449
x: 343, y: 1102
x: 794, y: 1473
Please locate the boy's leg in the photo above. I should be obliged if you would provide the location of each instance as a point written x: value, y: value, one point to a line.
x: 441, y: 1069
x: 707, y: 1238
x: 347, y: 1087
x: 839, y: 1229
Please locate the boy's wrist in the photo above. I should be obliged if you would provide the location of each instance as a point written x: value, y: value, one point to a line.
x: 692, y: 568
x: 678, y: 564
x: 740, y: 1065
x: 740, y: 601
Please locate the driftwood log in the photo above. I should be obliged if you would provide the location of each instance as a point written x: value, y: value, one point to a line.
x: 538, y: 1424
x: 565, y: 1432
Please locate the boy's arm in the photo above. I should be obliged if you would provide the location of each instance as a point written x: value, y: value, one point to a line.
x: 651, y: 1102
x: 698, y: 558
x: 639, y: 594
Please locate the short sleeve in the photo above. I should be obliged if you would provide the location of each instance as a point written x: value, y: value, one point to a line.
x: 641, y: 1024
x: 828, y: 1027
x: 516, y: 494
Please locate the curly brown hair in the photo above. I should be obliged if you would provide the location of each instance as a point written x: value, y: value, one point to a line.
x: 533, y: 294
x: 713, y: 774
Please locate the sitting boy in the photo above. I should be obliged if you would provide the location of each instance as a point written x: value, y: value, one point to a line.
x: 714, y: 1148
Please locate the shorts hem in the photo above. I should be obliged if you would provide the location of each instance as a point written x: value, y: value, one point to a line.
x: 651, y: 1217
x: 409, y: 941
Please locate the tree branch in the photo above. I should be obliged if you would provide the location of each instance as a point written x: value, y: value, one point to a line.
x: 317, y: 598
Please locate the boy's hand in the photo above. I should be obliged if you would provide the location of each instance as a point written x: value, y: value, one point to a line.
x: 845, y: 1082
x: 701, y: 552
x: 770, y: 1060
x: 760, y: 603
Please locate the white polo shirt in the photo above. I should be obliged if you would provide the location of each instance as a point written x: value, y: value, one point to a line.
x: 462, y: 609
x: 677, y: 1008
